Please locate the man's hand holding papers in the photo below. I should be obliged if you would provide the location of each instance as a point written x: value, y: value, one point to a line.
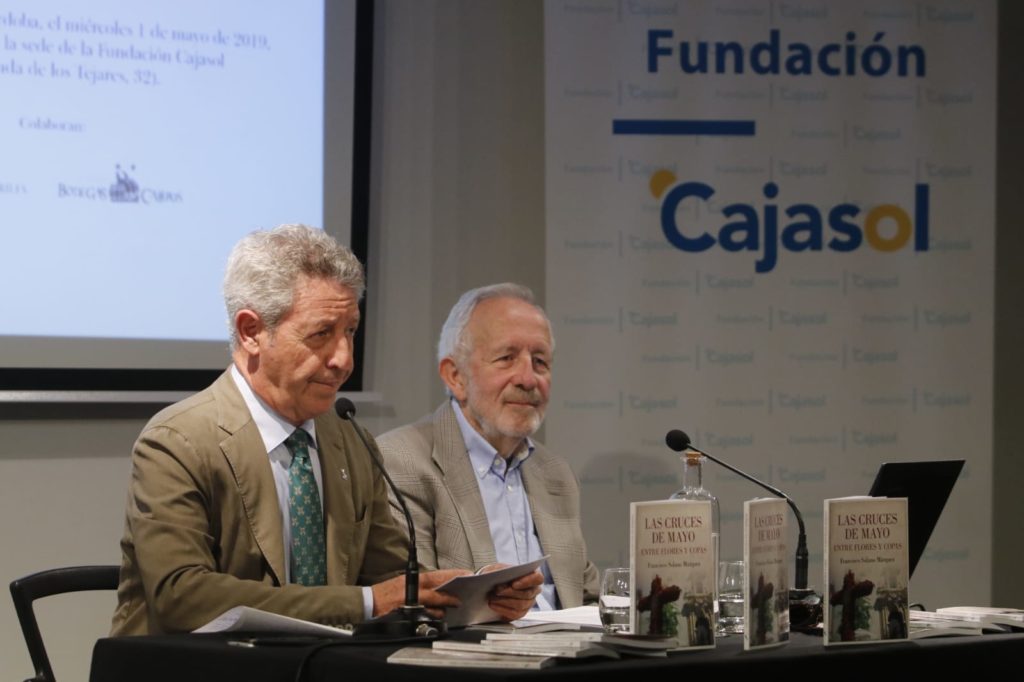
x: 514, y: 599
x: 493, y: 593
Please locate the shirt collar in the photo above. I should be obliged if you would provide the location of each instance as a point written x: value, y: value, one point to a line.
x: 274, y: 429
x: 483, y: 456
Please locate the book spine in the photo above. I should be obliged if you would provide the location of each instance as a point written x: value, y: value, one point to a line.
x: 634, y: 625
x: 826, y: 570
x: 746, y: 575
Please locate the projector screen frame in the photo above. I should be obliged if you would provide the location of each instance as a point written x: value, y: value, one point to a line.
x: 121, y: 385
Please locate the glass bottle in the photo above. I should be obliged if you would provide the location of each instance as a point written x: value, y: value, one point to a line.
x: 693, y: 489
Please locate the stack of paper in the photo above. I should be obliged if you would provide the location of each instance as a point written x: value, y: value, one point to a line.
x: 618, y: 644
x: 531, y: 645
x: 580, y: 616
x: 417, y: 655
x: 931, y: 624
x: 987, y: 615
x: 526, y: 627
x: 517, y: 650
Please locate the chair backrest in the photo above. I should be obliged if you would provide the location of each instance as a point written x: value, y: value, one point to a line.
x: 44, y: 584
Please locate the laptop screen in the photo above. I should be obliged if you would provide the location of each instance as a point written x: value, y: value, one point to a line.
x: 926, y: 485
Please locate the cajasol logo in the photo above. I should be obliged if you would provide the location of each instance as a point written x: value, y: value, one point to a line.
x: 766, y: 227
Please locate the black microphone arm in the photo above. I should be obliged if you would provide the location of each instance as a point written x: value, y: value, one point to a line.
x: 411, y: 619
x: 680, y: 442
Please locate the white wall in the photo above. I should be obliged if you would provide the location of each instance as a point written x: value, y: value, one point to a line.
x: 459, y: 180
x: 62, y: 490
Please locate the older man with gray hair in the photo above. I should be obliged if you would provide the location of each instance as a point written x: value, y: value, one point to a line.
x: 252, y: 492
x: 481, y: 491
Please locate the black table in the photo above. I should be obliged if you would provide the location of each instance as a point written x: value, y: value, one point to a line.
x: 197, y: 658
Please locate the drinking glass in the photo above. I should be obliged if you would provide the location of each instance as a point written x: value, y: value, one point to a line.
x: 730, y: 598
x: 614, y: 600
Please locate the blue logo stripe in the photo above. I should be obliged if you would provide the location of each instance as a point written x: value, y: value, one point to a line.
x: 669, y: 127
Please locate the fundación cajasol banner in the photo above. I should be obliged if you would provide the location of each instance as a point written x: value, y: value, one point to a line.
x: 771, y: 224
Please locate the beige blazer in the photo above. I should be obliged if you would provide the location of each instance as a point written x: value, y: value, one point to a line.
x: 429, y: 464
x: 203, y: 527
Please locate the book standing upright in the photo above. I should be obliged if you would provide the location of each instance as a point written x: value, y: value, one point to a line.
x: 866, y: 570
x: 766, y: 573
x: 673, y: 571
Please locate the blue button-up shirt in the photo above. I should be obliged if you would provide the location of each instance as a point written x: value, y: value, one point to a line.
x: 508, y: 509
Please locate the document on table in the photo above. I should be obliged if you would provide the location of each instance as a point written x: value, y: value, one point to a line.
x: 584, y: 616
x: 472, y: 591
x: 247, y: 619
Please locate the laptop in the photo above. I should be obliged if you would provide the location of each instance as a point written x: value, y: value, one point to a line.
x: 926, y: 485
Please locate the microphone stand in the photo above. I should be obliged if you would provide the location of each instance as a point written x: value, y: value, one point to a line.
x: 804, y: 603
x: 410, y: 619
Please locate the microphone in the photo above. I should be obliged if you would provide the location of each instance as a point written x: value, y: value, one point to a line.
x: 410, y: 619
x: 804, y: 604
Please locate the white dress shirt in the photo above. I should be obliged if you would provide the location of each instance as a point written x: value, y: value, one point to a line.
x: 274, y: 430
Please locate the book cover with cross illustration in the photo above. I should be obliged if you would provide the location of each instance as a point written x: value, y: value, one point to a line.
x: 765, y: 573
x: 867, y: 570
x: 672, y: 565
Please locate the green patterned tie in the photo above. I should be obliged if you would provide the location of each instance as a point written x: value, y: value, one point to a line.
x: 308, y: 555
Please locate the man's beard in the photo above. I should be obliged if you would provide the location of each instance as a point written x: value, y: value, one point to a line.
x: 508, y: 425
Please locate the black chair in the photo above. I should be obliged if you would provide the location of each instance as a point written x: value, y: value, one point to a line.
x: 44, y: 584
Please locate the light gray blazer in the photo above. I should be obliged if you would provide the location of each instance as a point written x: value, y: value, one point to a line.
x: 429, y: 464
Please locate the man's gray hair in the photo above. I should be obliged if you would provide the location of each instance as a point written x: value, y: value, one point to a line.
x: 264, y: 268
x: 455, y: 342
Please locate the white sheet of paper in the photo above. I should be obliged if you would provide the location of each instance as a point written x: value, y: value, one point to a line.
x: 247, y: 619
x: 580, y: 615
x: 472, y: 592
